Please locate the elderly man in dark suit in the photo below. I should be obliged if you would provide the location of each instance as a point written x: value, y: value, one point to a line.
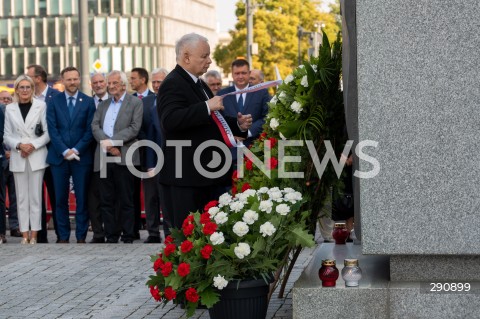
x: 117, y: 120
x: 69, y: 119
x: 188, y: 117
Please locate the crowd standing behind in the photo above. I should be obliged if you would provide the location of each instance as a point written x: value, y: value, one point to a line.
x: 53, y: 138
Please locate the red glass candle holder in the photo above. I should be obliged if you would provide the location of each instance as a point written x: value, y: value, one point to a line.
x: 328, y: 273
x: 340, y: 234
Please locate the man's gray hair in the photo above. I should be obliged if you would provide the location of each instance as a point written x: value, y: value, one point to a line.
x: 160, y: 70
x: 123, y: 76
x: 187, y: 41
x: 97, y: 73
x: 213, y: 73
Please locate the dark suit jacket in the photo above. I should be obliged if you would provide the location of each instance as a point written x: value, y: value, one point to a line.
x: 184, y: 115
x: 2, y: 126
x: 51, y: 92
x: 127, y: 126
x: 153, y: 130
x: 149, y: 93
x: 66, y: 133
x: 255, y: 104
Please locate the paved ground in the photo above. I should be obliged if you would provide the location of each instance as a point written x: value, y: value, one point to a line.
x: 94, y: 281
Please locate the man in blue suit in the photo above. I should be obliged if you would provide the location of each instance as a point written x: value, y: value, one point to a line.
x: 45, y: 93
x: 70, y: 153
x: 254, y: 103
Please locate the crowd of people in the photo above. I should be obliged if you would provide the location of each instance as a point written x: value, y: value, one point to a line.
x: 54, y: 138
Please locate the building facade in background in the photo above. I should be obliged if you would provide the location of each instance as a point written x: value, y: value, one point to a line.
x: 123, y: 34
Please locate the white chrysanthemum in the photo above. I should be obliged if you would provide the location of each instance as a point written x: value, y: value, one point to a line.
x: 288, y: 79
x: 224, y: 199
x: 219, y: 282
x: 236, y: 206
x: 301, y: 66
x: 298, y: 195
x: 250, y: 192
x: 242, y: 250
x: 250, y: 217
x: 262, y: 190
x: 283, y: 209
x: 242, y: 197
x: 274, y: 189
x: 282, y: 96
x: 276, y: 196
x: 217, y: 238
x: 314, y: 67
x: 282, y: 137
x: 267, y: 229
x: 274, y: 123
x: 213, y: 211
x: 292, y: 197
x: 266, y: 206
x: 240, y: 229
x: 304, y: 81
x: 274, y: 100
x: 288, y: 190
x: 221, y: 218
x: 296, y: 107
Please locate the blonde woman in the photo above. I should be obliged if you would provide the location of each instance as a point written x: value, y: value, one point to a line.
x: 26, y: 134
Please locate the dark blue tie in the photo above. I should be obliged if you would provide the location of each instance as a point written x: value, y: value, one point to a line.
x: 70, y: 106
x: 240, y: 103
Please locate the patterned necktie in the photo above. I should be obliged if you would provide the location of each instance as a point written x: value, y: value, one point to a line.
x: 70, y: 106
x: 140, y: 96
x: 240, y: 103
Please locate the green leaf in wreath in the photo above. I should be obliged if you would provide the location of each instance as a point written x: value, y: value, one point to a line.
x: 303, y: 237
x: 289, y: 129
x: 209, y: 297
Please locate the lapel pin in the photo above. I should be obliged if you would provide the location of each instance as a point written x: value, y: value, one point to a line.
x: 80, y: 99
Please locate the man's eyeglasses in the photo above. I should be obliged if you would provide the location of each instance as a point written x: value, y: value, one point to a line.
x: 6, y: 99
x: 24, y: 88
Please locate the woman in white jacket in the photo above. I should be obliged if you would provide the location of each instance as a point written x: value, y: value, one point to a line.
x: 27, y: 136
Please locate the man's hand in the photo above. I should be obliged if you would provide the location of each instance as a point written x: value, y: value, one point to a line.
x: 244, y: 121
x: 114, y: 151
x: 69, y: 153
x: 7, y: 155
x: 215, y: 103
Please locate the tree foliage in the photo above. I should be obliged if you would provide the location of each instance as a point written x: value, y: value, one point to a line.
x: 275, y: 30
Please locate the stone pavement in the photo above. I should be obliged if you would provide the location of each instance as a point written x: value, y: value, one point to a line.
x: 95, y: 281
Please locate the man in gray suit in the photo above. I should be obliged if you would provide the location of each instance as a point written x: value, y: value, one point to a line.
x: 118, y: 118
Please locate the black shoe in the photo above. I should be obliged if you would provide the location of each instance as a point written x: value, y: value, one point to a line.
x: 15, y: 233
x: 61, y: 241
x: 111, y: 241
x: 128, y: 241
x: 136, y: 235
x: 81, y: 241
x: 152, y: 240
x: 42, y: 240
x: 97, y: 241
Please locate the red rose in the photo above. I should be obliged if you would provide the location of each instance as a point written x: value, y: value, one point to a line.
x: 166, y: 269
x: 206, y: 251
x: 188, y: 229
x: 156, y: 265
x: 170, y: 293
x: 155, y: 293
x: 168, y: 240
x: 209, y: 228
x: 191, y: 295
x: 188, y: 220
x: 263, y: 135
x: 273, y: 142
x: 246, y: 186
x: 183, y: 269
x: 170, y: 248
x: 186, y: 246
x: 234, y: 190
x: 210, y: 204
x: 272, y: 164
x: 204, y: 218
x: 235, y: 175
x: 249, y: 164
